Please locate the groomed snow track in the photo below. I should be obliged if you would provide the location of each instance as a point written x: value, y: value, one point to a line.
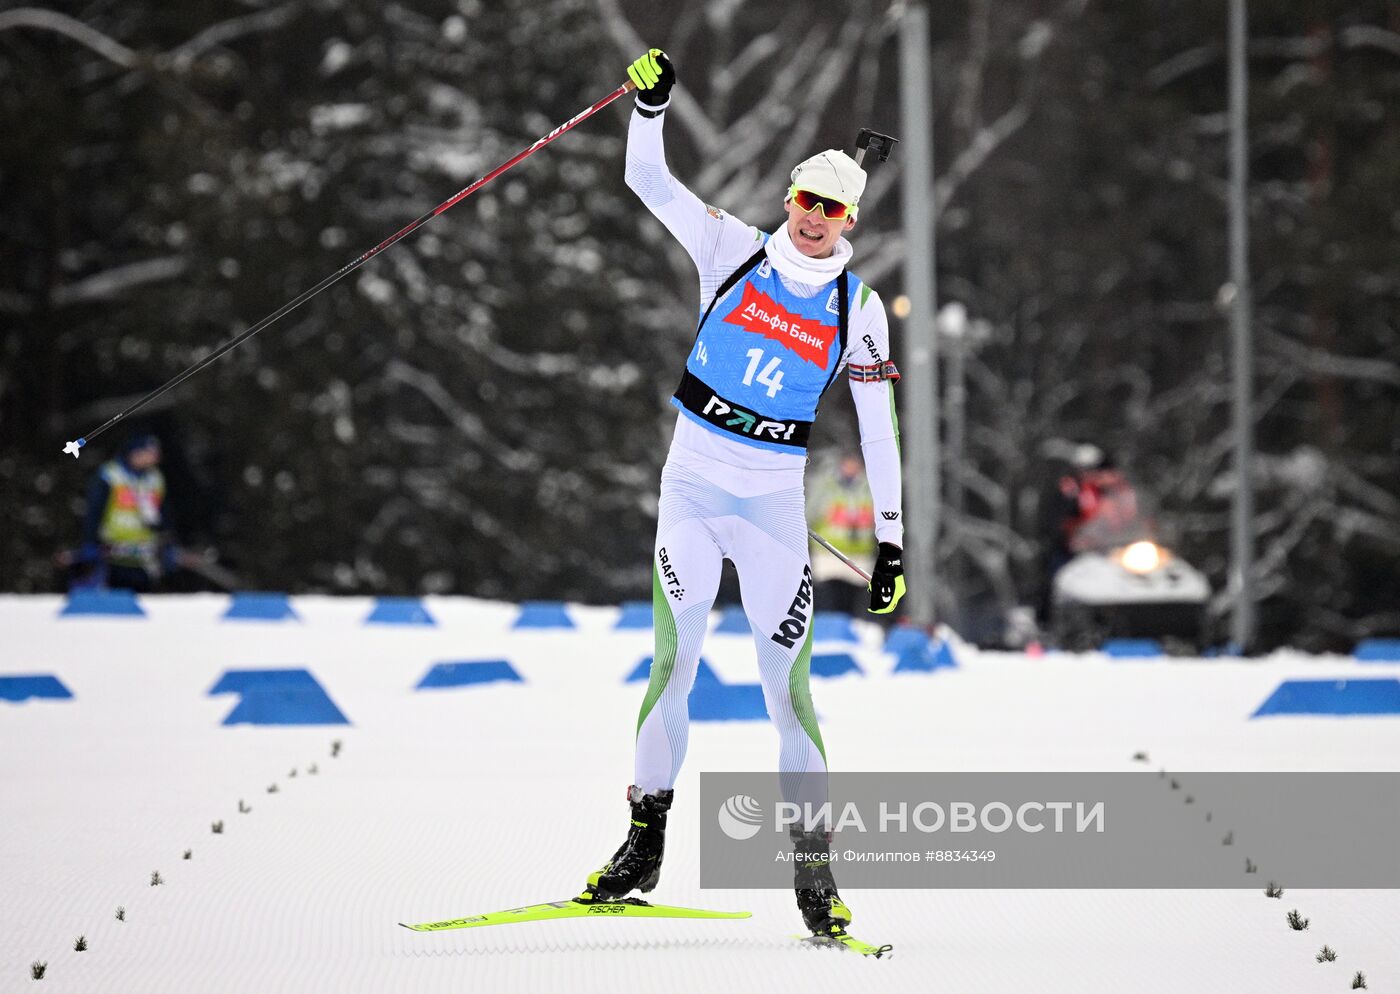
x: 494, y: 787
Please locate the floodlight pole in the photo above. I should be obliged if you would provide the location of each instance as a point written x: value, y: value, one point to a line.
x: 1241, y: 579
x: 922, y: 490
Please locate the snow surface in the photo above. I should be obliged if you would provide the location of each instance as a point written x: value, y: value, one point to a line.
x: 450, y: 802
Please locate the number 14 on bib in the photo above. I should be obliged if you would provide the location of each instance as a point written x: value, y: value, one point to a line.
x: 771, y: 376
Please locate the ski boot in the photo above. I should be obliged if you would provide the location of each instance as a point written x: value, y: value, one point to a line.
x: 823, y: 911
x: 637, y: 863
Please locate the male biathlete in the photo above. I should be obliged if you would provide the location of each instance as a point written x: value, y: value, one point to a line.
x: 780, y: 318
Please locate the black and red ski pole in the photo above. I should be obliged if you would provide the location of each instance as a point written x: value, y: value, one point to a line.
x: 74, y: 446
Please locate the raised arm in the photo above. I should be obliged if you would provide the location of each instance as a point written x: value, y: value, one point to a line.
x: 716, y: 241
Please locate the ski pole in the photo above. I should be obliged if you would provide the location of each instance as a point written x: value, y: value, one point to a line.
x: 839, y: 555
x: 75, y: 445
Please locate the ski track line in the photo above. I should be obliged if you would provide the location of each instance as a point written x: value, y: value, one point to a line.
x: 151, y: 911
x: 1282, y: 905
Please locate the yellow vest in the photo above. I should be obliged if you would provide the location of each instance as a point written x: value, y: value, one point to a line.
x: 132, y: 514
x: 843, y: 515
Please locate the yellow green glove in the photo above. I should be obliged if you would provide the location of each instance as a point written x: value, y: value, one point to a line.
x: 887, y: 579
x: 653, y: 75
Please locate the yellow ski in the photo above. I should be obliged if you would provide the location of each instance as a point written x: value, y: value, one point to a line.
x: 845, y: 940
x: 574, y: 908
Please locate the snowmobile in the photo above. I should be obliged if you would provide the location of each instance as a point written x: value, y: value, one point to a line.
x: 1124, y: 583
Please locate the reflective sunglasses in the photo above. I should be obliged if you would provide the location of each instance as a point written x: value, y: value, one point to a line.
x: 832, y: 210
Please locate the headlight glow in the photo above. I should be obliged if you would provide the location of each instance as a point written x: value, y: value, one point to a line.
x: 1142, y: 557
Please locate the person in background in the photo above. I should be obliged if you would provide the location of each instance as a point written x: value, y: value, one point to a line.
x: 841, y: 510
x: 1091, y: 504
x: 1100, y: 505
x: 122, y: 540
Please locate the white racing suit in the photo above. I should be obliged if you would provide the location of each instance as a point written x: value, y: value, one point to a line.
x: 732, y: 486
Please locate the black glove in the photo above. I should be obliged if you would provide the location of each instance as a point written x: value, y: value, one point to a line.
x: 654, y: 76
x: 887, y: 579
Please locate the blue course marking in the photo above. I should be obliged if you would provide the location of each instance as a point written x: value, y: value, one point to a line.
x: 634, y: 614
x: 1132, y: 648
x: 733, y: 621
x: 543, y: 614
x: 260, y: 607
x: 833, y: 626
x: 943, y: 657
x: 1365, y: 696
x: 711, y: 700
x: 900, y: 640
x: 932, y: 655
x: 24, y: 686
x: 1378, y: 651
x: 110, y: 603
x: 834, y: 664
x: 462, y: 674
x: 277, y: 697
x: 399, y: 611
